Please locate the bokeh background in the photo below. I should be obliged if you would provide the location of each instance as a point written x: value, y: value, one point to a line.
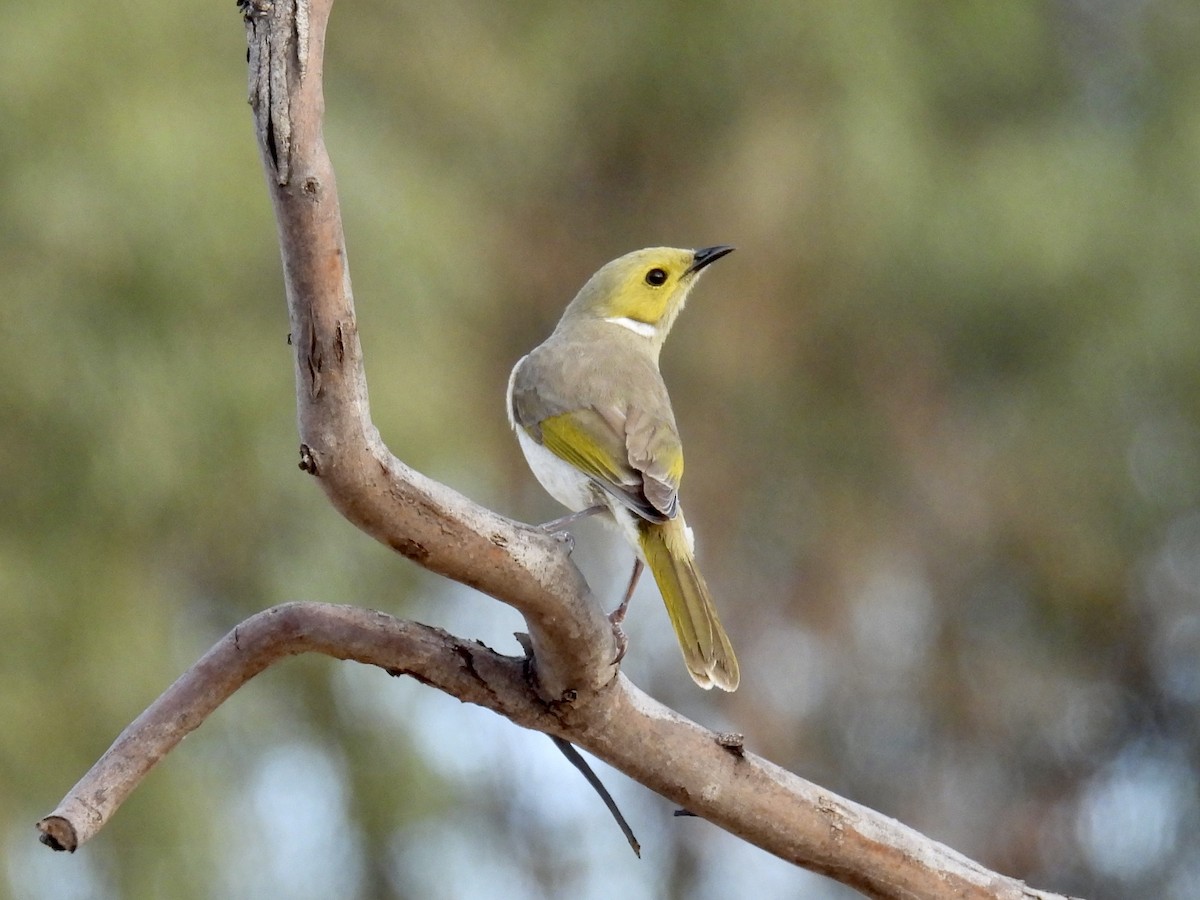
x: 940, y: 410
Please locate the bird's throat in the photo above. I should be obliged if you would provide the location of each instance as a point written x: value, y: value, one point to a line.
x: 643, y: 329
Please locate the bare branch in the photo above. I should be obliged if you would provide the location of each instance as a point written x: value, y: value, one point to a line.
x: 424, y: 520
x: 402, y: 648
x: 568, y: 687
x: 710, y: 775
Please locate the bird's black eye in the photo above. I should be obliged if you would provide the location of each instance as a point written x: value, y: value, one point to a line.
x: 656, y: 277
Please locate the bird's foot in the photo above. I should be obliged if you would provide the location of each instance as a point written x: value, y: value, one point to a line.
x: 557, y: 528
x: 554, y: 526
x: 565, y: 538
x: 620, y: 637
x: 617, y: 616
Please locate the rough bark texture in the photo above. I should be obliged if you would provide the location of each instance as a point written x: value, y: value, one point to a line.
x: 567, y: 687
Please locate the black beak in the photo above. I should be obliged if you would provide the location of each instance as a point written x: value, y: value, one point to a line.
x: 707, y: 255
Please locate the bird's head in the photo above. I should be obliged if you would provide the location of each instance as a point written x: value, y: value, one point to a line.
x: 642, y: 291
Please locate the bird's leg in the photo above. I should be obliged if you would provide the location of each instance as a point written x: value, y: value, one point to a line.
x: 565, y: 522
x: 617, y: 616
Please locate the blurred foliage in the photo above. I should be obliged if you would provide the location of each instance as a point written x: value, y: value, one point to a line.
x: 940, y: 409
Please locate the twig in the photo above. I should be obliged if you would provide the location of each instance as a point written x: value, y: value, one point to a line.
x: 568, y: 750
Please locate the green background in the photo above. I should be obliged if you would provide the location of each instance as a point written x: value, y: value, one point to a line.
x: 940, y: 412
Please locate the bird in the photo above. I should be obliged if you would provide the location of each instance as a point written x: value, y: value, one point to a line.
x: 594, y: 421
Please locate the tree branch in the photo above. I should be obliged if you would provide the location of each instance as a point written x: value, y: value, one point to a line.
x: 419, y: 518
x: 567, y: 687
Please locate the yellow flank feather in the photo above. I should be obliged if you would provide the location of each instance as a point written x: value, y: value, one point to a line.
x: 566, y: 437
x: 706, y: 648
x: 675, y: 465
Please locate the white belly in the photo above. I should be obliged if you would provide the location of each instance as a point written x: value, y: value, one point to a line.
x: 562, y: 481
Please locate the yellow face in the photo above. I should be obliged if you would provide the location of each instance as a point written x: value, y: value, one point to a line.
x: 645, y: 286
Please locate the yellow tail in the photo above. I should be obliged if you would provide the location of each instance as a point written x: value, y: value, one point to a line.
x: 706, y: 649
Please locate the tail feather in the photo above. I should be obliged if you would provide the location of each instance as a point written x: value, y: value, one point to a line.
x: 706, y: 648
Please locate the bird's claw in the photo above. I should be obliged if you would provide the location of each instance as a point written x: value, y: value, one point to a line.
x: 617, y: 616
x: 563, y: 537
x: 620, y: 637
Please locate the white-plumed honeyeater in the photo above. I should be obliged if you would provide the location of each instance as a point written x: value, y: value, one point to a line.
x: 595, y: 423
